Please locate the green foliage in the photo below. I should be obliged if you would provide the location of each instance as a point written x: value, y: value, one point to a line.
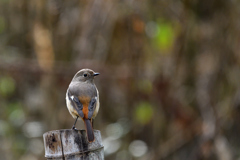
x: 17, y: 117
x: 145, y: 86
x: 13, y: 106
x: 165, y: 37
x: 7, y: 86
x: 143, y: 113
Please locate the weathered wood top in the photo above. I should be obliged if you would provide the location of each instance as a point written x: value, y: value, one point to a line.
x: 72, y: 144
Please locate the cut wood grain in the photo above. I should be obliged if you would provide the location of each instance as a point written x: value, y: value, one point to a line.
x: 68, y: 144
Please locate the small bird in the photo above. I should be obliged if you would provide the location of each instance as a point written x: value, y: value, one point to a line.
x: 82, y: 99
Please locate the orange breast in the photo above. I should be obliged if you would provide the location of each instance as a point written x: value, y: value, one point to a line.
x: 85, y: 102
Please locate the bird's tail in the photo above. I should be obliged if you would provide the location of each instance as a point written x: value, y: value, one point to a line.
x: 89, y: 130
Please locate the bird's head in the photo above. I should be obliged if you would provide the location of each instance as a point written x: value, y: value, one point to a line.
x: 85, y: 75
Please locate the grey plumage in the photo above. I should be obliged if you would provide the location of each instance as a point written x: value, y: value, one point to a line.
x: 83, y: 99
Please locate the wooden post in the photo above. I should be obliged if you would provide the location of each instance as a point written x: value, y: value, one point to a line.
x: 68, y: 144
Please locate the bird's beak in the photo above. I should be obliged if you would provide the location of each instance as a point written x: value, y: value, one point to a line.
x: 95, y: 74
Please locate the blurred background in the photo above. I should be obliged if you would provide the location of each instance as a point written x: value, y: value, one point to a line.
x: 169, y: 84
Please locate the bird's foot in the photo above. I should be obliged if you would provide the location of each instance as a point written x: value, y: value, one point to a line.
x: 74, y: 128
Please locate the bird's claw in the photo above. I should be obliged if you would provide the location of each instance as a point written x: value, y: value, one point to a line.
x: 74, y: 128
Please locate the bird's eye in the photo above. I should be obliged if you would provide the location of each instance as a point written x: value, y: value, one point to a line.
x: 85, y: 75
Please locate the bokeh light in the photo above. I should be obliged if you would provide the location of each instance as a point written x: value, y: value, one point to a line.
x: 169, y: 83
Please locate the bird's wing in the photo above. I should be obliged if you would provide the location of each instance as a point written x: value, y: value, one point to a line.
x: 92, y: 107
x: 76, y: 103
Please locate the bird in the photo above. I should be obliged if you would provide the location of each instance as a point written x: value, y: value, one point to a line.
x: 82, y: 100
